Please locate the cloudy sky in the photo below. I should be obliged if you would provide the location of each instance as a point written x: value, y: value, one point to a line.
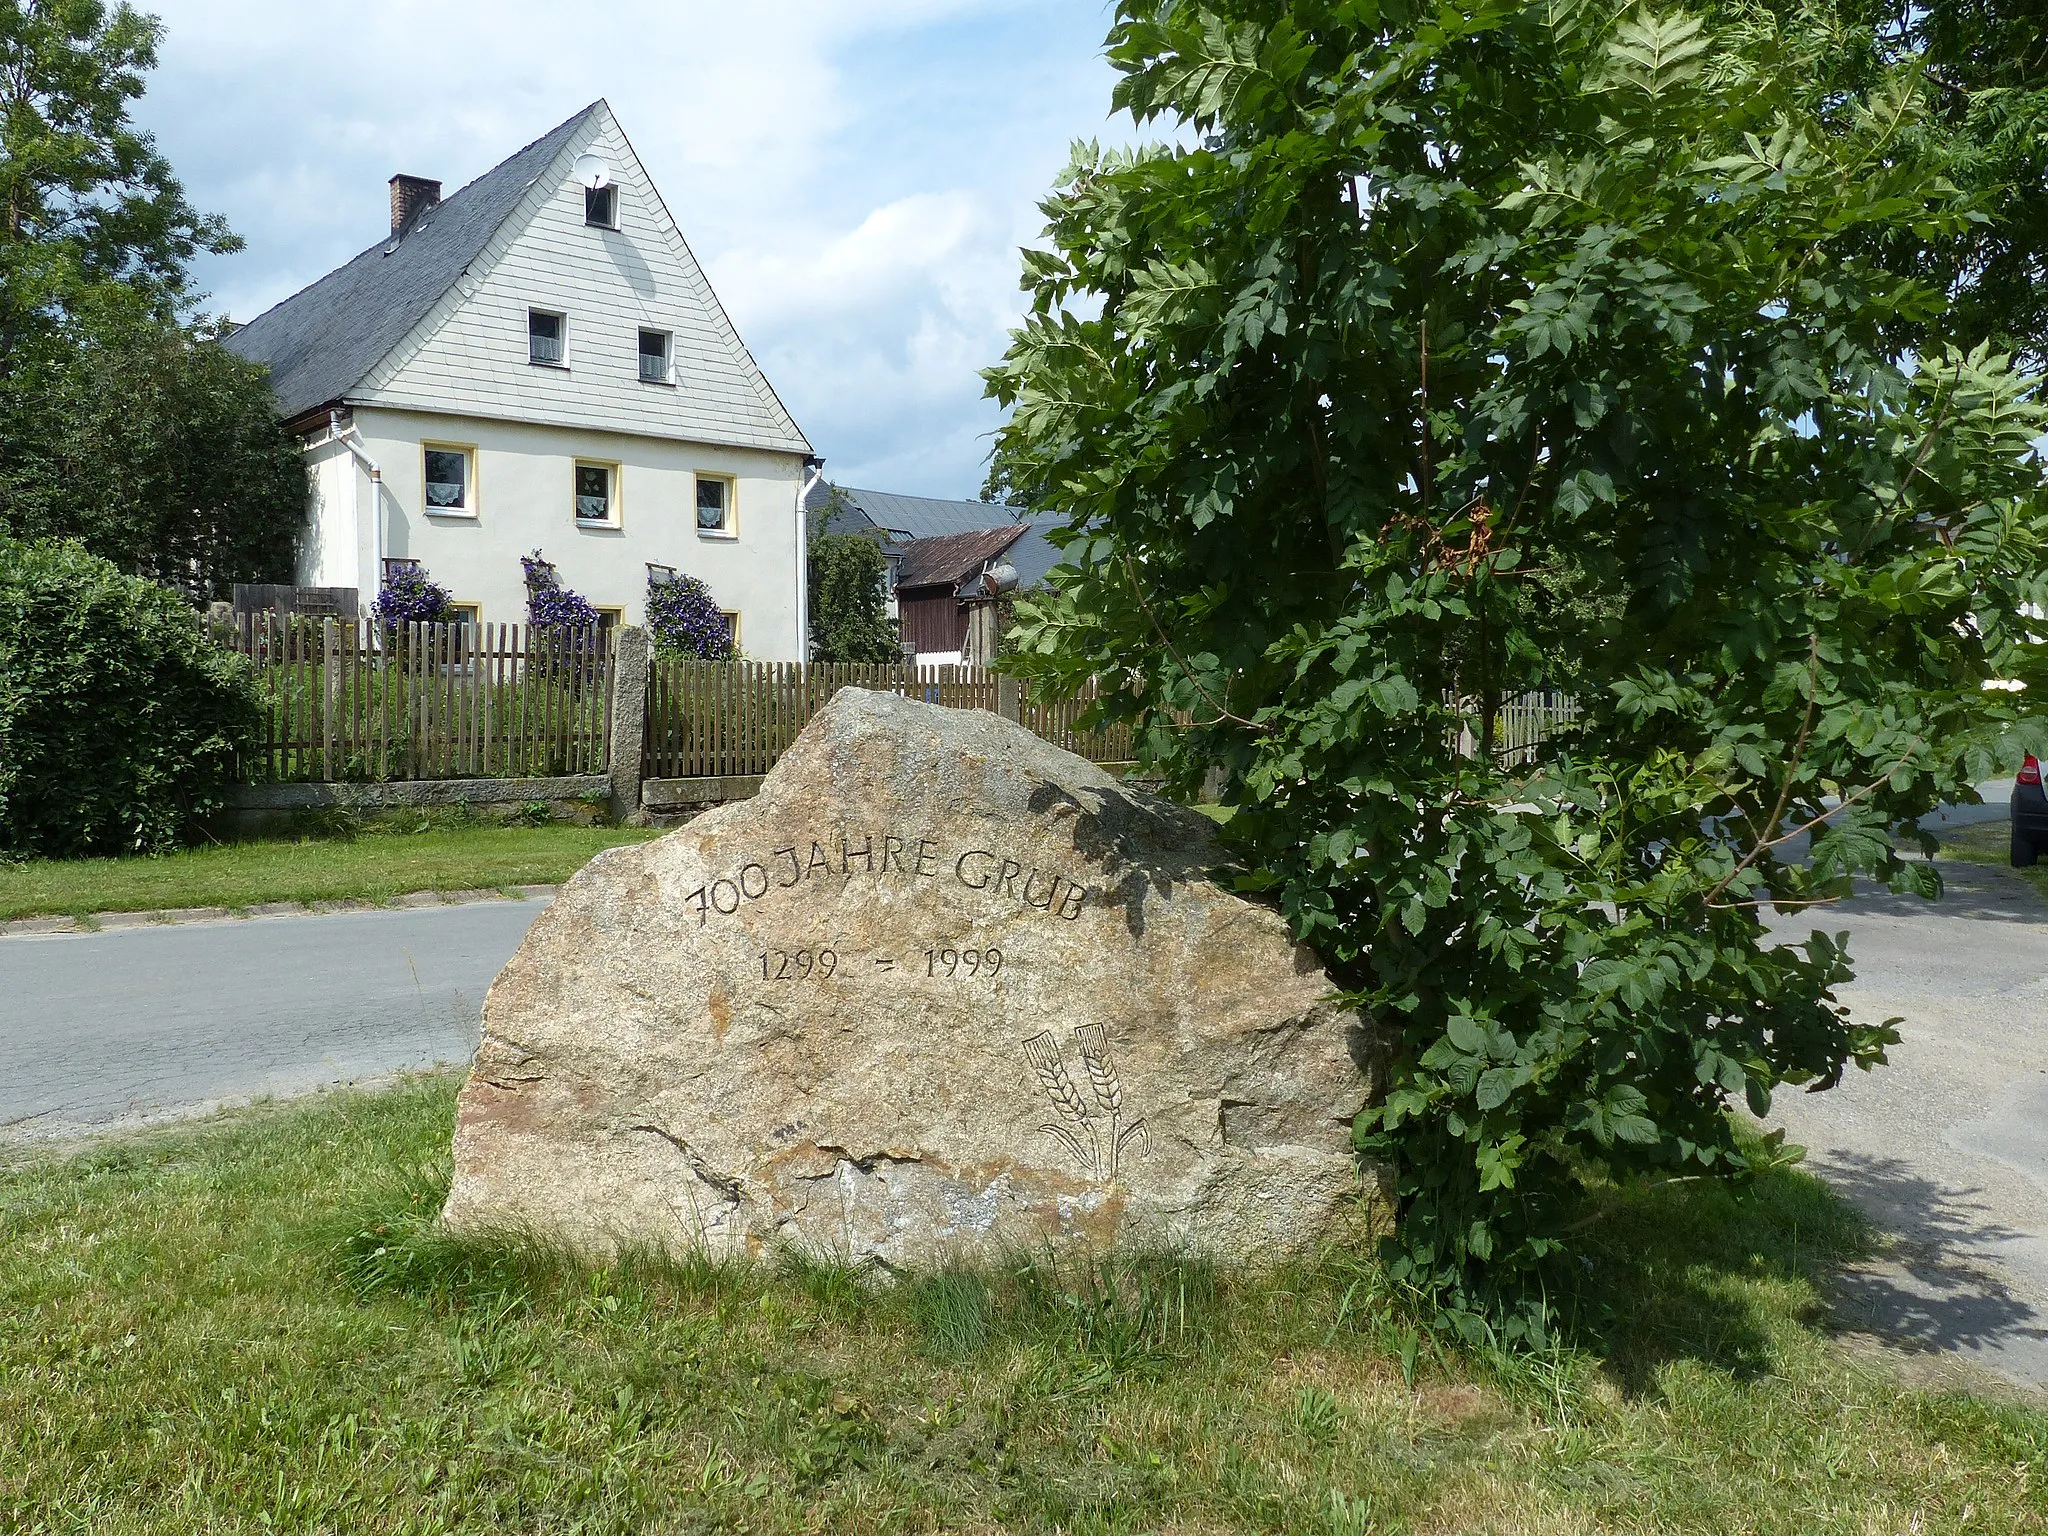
x: 856, y: 175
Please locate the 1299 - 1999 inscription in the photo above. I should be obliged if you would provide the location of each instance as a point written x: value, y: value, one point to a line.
x: 940, y: 963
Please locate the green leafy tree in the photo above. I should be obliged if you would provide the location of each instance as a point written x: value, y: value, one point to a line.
x: 998, y: 487
x: 1986, y: 65
x: 90, y: 212
x: 123, y: 424
x: 156, y: 448
x: 1448, y: 353
x: 847, y: 618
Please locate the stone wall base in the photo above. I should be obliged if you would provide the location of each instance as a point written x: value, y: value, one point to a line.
x: 255, y: 809
x: 671, y: 802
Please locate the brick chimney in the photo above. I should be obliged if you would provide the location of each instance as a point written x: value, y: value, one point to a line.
x: 411, y: 196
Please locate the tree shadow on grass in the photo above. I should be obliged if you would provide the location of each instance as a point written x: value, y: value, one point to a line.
x: 1695, y: 1271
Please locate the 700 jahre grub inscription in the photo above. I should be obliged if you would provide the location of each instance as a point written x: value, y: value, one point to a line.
x: 923, y: 858
x: 939, y: 988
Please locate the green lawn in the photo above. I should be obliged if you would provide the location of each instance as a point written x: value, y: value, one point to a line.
x: 1990, y: 842
x: 253, y: 1326
x: 375, y: 866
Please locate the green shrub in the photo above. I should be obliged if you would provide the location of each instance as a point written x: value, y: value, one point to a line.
x: 119, y: 721
x: 847, y: 621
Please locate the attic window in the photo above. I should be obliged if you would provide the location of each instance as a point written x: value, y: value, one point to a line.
x: 601, y: 206
x: 654, y: 357
x: 544, y: 337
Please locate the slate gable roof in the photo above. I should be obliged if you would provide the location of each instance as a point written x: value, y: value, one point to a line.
x: 913, y: 517
x: 953, y: 558
x: 1035, y: 554
x: 324, y: 340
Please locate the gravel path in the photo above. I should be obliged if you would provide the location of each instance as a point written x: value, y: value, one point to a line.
x: 1948, y: 1146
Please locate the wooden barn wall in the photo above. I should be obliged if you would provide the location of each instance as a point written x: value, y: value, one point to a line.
x: 933, y: 618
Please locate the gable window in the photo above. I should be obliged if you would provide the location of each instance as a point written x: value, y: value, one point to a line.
x: 601, y: 206
x: 449, y: 481
x: 545, y: 334
x: 596, y: 493
x: 654, y: 357
x: 714, y: 504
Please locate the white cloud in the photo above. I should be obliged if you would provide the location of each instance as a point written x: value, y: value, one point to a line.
x: 854, y: 174
x: 880, y: 334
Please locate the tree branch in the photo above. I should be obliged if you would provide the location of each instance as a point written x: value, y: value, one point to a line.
x: 1428, y: 473
x: 1848, y: 800
x: 1771, y: 823
x: 1222, y: 712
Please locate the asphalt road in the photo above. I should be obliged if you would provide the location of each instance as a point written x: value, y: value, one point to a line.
x: 99, y: 1031
x: 1947, y: 1147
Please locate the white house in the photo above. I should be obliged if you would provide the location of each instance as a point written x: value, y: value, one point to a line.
x: 538, y: 362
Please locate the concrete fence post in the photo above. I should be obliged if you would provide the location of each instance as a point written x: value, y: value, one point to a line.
x: 1009, y: 697
x: 629, y: 720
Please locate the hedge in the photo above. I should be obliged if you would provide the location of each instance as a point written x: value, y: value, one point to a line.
x: 120, y: 722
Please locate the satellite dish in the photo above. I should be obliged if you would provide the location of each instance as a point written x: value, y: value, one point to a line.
x: 592, y: 172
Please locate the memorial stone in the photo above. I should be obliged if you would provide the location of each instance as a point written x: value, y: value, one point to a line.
x: 940, y: 990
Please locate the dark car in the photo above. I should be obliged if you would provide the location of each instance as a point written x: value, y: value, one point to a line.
x: 2029, y: 814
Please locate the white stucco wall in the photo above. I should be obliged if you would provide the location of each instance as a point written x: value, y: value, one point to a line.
x: 331, y: 551
x: 524, y: 499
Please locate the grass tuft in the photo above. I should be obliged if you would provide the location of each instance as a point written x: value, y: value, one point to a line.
x: 953, y: 1312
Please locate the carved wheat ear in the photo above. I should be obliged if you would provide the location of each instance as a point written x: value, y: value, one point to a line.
x: 1138, y: 1129
x: 1043, y: 1052
x: 1068, y: 1138
x: 1093, y: 1040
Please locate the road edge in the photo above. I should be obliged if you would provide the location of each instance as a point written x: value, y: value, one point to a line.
x: 161, y: 917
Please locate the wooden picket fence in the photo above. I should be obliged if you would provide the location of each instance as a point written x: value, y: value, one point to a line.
x: 1056, y: 723
x: 709, y: 719
x: 355, y: 701
x: 1526, y: 721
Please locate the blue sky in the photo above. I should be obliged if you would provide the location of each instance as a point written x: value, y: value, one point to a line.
x: 855, y: 175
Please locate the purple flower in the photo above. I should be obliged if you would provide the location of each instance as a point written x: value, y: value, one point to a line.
x: 683, y: 620
x: 549, y: 604
x: 410, y: 596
